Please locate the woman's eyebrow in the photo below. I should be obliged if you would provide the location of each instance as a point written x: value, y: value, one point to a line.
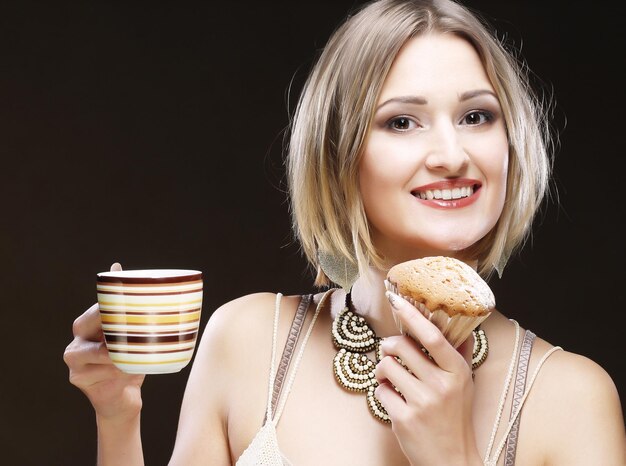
x: 420, y: 100
x: 405, y: 99
x: 476, y: 93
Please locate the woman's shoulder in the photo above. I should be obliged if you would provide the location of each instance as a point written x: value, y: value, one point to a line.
x: 236, y: 343
x: 564, y: 373
x: 572, y: 375
x: 251, y: 316
x: 578, y: 408
x: 256, y: 306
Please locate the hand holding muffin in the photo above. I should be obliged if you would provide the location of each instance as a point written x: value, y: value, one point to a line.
x: 428, y: 394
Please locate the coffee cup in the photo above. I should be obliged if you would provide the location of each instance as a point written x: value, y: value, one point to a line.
x: 150, y: 318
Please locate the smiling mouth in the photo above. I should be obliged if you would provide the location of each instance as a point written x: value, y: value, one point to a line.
x: 446, y: 194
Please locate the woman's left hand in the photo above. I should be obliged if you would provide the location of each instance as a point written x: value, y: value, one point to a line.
x: 431, y: 410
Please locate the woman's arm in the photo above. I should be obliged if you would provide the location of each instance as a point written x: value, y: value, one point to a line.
x: 202, y: 437
x: 114, y: 395
x: 119, y: 442
x: 233, y: 352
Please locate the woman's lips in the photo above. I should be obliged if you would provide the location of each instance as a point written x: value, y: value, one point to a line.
x: 448, y: 194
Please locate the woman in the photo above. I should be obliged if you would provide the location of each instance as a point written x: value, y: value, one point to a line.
x: 415, y: 135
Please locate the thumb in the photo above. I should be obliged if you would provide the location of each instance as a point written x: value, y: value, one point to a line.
x: 116, y: 267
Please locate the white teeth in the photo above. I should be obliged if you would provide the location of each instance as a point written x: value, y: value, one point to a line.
x: 446, y: 194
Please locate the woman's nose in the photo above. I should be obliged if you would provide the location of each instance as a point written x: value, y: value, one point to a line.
x: 445, y: 151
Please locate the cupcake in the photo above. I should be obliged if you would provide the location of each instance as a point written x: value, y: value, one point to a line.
x: 447, y: 291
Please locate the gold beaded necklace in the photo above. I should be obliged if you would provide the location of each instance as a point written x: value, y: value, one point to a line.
x: 353, y: 368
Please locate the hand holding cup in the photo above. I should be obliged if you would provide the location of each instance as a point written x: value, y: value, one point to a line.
x: 113, y: 393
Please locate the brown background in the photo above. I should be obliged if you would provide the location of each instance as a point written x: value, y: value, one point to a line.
x: 151, y: 133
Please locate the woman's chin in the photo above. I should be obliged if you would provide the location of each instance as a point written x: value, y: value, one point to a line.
x: 439, y: 242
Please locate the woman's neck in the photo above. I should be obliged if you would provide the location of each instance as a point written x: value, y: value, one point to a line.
x: 369, y: 300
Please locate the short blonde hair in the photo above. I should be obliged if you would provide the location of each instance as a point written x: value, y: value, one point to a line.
x: 334, y: 114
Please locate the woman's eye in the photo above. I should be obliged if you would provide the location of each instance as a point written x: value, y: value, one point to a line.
x: 401, y: 124
x: 477, y: 118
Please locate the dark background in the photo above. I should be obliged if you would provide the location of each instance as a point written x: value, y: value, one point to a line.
x: 151, y: 134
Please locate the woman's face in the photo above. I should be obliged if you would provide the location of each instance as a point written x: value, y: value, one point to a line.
x: 433, y: 172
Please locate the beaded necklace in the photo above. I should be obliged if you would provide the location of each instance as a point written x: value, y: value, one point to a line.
x: 353, y: 368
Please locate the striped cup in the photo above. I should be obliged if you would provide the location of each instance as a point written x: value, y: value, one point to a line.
x: 150, y: 318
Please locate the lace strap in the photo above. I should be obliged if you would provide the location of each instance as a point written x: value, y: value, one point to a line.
x: 518, y: 393
x: 285, y: 360
x: 296, y: 365
x: 505, y: 391
x: 268, y: 412
x: 494, y: 459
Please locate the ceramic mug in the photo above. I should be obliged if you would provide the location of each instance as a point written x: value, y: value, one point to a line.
x: 150, y: 318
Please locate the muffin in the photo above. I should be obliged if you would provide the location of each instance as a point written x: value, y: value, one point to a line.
x: 447, y: 291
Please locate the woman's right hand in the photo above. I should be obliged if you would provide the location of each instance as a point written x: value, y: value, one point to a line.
x: 115, y: 395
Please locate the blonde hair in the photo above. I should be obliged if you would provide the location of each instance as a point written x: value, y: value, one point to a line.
x: 334, y: 114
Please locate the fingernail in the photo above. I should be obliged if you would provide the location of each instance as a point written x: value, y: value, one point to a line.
x: 393, y: 300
